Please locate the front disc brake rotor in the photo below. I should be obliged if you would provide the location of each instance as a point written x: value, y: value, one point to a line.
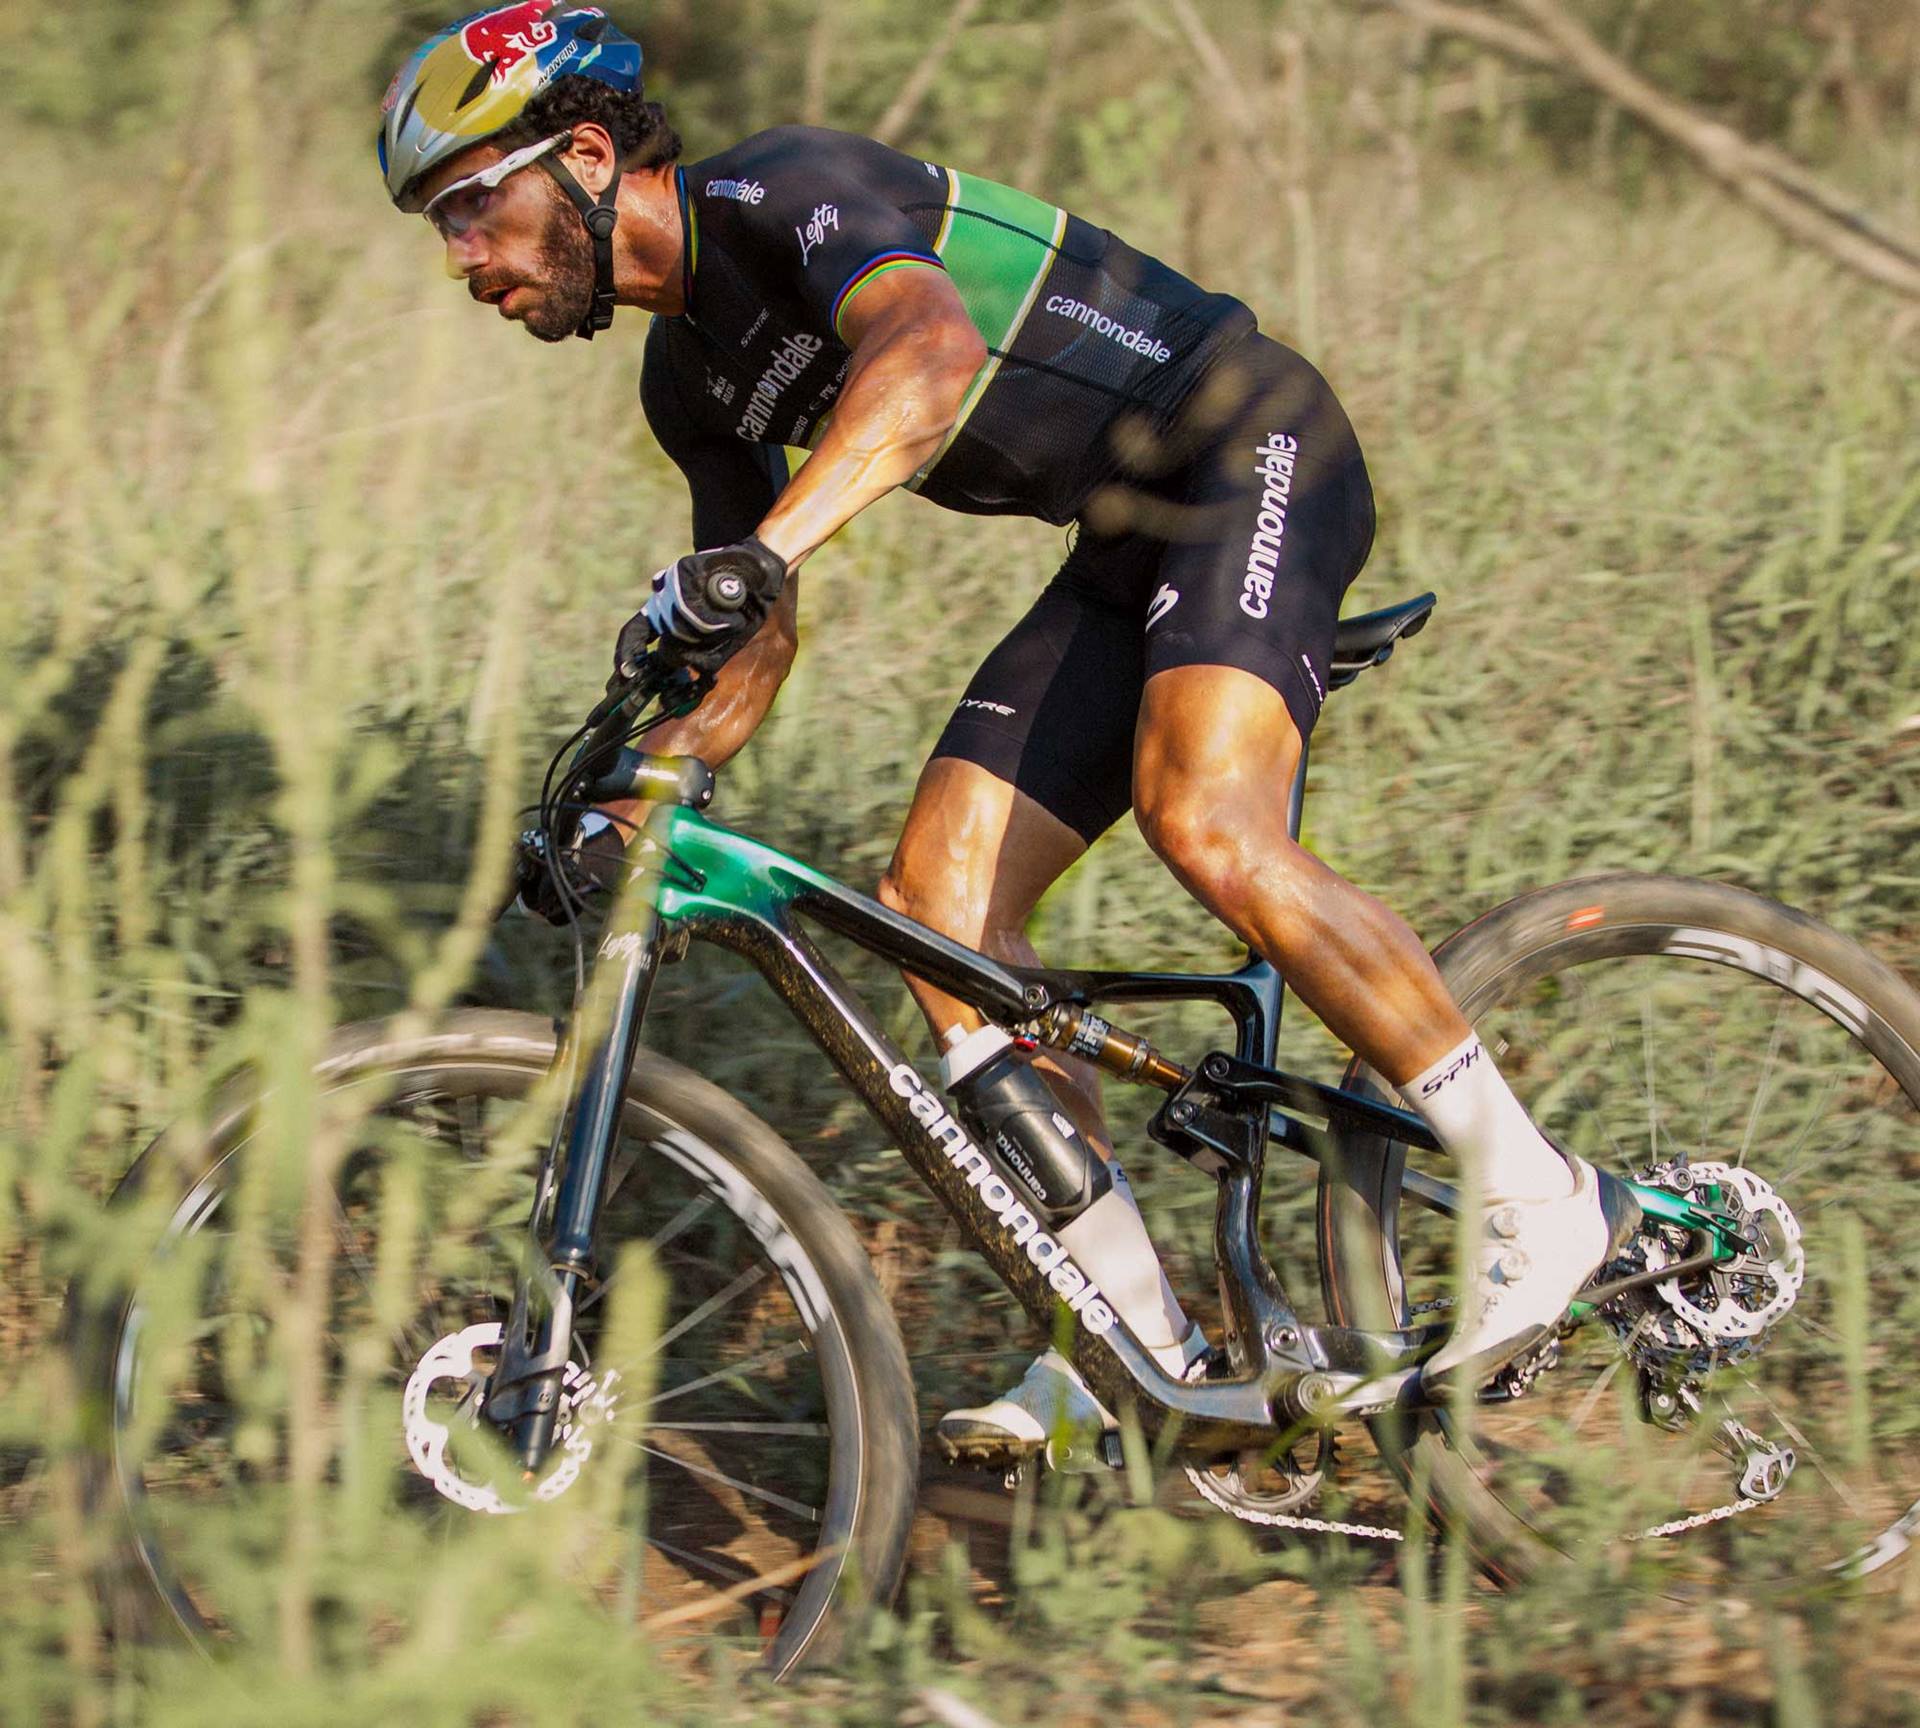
x: 586, y: 1404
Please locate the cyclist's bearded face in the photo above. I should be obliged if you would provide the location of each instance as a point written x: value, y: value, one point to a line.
x: 539, y: 267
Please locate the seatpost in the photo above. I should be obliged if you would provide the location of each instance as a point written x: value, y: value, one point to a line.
x: 1297, y: 795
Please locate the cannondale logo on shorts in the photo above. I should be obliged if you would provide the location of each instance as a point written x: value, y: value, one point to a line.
x: 1263, y: 556
x: 1161, y: 604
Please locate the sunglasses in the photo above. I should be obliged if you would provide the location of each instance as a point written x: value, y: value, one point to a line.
x: 455, y: 209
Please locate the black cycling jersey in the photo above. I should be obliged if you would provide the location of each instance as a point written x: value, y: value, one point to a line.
x: 787, y: 228
x: 1242, y: 513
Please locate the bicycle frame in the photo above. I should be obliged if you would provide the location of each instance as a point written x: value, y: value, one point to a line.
x: 695, y: 880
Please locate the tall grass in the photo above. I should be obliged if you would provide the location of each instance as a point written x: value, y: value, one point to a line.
x: 306, y: 561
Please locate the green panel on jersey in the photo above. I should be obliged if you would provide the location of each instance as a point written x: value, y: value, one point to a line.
x: 996, y: 244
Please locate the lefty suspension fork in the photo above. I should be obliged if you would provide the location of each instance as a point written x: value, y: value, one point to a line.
x: 523, y: 1395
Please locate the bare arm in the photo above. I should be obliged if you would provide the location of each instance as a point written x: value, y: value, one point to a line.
x: 915, y: 353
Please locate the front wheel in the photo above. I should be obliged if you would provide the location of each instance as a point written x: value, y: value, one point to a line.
x: 1755, y: 1421
x: 291, y: 1383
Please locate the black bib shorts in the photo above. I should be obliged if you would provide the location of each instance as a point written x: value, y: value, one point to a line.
x: 1229, y: 541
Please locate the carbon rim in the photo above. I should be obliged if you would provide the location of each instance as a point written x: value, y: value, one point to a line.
x: 1634, y: 1038
x: 749, y: 1463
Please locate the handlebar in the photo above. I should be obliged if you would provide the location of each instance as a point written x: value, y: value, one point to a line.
x: 657, y: 779
x: 612, y: 770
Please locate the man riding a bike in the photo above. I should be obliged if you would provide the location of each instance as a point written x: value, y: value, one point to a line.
x: 910, y: 324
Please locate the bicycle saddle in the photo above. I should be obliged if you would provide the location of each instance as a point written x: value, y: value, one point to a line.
x: 1368, y: 639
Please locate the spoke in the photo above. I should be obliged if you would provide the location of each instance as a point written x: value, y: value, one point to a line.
x: 1599, y: 1387
x: 1591, y: 1014
x: 707, y: 1563
x: 1814, y: 1116
x: 1866, y: 1125
x: 812, y: 1428
x: 810, y: 1513
x: 785, y: 1353
x: 1430, y: 1191
x: 405, y: 1335
x: 674, y: 1226
x: 1646, y: 1064
x: 1766, y: 1074
x: 1814, y: 1326
x: 1713, y: 1076
x: 466, y: 1115
x: 677, y: 1224
x: 733, y: 1291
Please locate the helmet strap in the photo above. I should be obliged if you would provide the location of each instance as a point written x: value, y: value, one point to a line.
x: 600, y: 218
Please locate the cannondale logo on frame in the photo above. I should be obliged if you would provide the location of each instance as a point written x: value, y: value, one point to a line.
x: 1066, y: 1280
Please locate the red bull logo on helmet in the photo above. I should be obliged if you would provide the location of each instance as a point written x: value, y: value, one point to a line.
x: 500, y: 40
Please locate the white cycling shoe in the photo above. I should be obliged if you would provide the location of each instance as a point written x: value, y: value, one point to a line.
x: 1052, y: 1410
x: 1533, y: 1259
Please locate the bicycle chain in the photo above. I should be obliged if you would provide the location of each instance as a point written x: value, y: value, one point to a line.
x: 1289, y: 1520
x: 1380, y: 1533
x: 1699, y: 1521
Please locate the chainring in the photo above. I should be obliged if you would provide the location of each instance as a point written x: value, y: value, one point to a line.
x: 1257, y: 1488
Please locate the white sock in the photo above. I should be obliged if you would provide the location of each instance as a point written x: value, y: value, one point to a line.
x: 1109, y: 1242
x: 1477, y: 1119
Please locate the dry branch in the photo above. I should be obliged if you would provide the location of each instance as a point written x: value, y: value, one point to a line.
x: 899, y: 117
x: 1793, y: 197
x: 1481, y: 27
x: 1225, y: 86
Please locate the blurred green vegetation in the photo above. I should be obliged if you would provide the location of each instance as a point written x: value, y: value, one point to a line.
x: 306, y: 564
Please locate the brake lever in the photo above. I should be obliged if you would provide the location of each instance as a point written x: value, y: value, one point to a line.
x: 687, y: 688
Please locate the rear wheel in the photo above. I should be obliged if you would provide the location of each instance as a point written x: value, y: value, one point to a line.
x: 1654, y: 1026
x: 739, y: 1465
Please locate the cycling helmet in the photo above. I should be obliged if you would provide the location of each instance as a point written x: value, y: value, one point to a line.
x: 475, y: 77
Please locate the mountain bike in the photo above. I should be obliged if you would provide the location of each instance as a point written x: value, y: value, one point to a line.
x: 1734, y: 1376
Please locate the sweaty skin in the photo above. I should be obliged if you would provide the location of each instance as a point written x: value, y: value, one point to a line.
x: 1214, y: 747
x: 915, y: 352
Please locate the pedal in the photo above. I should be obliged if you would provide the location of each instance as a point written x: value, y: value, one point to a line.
x: 1016, y: 1457
x: 988, y: 1451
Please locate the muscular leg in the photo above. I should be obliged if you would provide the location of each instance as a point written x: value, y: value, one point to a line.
x: 975, y: 857
x: 1214, y: 754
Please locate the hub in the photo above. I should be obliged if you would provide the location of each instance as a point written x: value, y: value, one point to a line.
x: 1681, y: 1329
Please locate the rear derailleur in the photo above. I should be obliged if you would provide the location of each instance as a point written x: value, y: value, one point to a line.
x: 1764, y: 1467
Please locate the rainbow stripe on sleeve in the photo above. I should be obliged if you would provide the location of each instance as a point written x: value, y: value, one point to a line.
x: 872, y: 270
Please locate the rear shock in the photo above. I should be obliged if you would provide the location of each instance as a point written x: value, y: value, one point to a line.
x: 1080, y: 1032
